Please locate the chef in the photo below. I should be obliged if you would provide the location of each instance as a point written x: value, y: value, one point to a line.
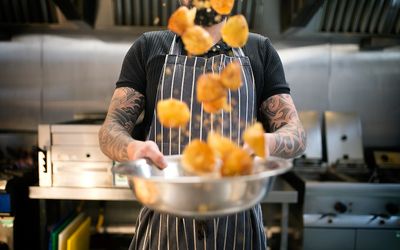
x: 157, y: 67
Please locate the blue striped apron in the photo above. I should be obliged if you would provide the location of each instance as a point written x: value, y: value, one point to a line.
x: 243, y: 230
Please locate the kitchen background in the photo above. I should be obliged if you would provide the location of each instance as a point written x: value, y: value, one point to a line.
x: 60, y: 59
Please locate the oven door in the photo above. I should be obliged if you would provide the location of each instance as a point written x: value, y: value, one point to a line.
x: 329, y: 239
x: 376, y: 239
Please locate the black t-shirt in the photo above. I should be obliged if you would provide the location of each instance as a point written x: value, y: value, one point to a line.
x: 142, y: 66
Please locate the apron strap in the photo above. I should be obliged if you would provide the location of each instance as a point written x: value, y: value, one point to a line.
x: 174, y: 47
x: 238, y: 52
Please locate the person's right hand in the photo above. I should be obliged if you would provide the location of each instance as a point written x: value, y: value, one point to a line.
x: 146, y: 149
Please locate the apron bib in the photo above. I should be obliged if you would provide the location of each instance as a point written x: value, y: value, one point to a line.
x: 243, y: 230
x: 178, y: 80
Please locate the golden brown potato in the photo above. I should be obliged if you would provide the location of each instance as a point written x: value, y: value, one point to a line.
x: 231, y: 76
x: 181, y: 20
x: 197, y: 40
x: 198, y: 158
x: 237, y: 162
x: 235, y: 31
x: 145, y: 191
x: 210, y: 88
x: 254, y: 137
x: 216, y: 106
x: 222, y: 7
x: 222, y: 146
x: 200, y: 4
x: 172, y: 113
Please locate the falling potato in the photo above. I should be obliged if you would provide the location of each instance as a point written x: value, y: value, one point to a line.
x: 222, y: 7
x: 254, y: 136
x: 235, y: 32
x: 210, y: 88
x: 198, y: 158
x: 231, y: 76
x: 181, y: 20
x: 216, y: 105
x: 173, y: 113
x: 222, y: 146
x: 200, y: 4
x: 197, y: 40
x: 237, y: 162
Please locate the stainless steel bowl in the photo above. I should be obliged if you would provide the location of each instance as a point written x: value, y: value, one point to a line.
x: 175, y: 191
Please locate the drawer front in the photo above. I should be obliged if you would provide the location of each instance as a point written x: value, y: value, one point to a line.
x: 82, y: 174
x: 376, y: 239
x: 78, y: 153
x: 90, y: 139
x: 84, y: 179
x: 329, y: 239
x: 80, y: 167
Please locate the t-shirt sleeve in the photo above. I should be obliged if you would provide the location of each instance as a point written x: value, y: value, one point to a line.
x: 133, y: 73
x: 274, y: 75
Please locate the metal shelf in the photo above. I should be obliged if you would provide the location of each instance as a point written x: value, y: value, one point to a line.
x: 281, y: 193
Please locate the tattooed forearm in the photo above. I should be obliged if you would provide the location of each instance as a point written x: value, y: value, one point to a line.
x: 115, y: 134
x: 287, y: 133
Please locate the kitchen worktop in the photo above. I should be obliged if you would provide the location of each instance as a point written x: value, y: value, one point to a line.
x: 282, y: 192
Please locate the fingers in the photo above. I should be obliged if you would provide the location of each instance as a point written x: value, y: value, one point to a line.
x: 157, y: 157
x: 249, y: 150
x: 150, y: 150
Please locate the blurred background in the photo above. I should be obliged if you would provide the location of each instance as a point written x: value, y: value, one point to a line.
x: 60, y: 59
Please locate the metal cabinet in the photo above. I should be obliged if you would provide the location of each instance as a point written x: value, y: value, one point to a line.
x: 328, y: 239
x: 370, y: 239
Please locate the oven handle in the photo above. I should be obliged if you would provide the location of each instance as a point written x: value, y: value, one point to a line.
x: 42, y: 157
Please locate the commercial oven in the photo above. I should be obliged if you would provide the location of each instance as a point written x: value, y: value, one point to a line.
x: 70, y: 156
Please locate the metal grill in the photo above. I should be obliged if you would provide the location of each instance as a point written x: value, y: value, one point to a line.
x: 27, y: 11
x: 157, y: 12
x: 361, y: 16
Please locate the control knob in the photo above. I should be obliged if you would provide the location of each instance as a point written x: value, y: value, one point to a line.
x: 340, y: 207
x: 392, y: 208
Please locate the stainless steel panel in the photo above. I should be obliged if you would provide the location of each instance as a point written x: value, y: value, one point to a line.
x: 378, y: 239
x: 82, y: 139
x: 370, y: 222
x: 328, y: 239
x: 83, y: 179
x: 77, y: 167
x: 79, y: 75
x: 44, y: 158
x: 307, y: 70
x: 311, y: 121
x: 343, y: 136
x: 20, y: 83
x: 366, y: 83
x: 360, y: 198
x: 75, y: 128
x: 78, y: 153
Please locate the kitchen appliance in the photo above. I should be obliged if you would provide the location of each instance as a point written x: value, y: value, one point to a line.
x: 312, y: 158
x: 348, y: 215
x: 70, y: 156
x: 346, y: 204
x: 175, y: 191
x: 343, y: 134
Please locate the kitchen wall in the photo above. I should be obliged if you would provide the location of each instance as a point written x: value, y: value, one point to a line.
x: 47, y: 78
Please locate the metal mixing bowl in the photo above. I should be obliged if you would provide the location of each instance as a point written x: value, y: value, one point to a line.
x: 175, y: 191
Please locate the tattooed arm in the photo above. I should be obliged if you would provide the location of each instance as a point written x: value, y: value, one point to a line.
x: 287, y: 138
x: 115, y: 134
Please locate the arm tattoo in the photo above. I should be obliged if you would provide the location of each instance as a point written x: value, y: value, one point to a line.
x: 284, y: 124
x: 115, y: 134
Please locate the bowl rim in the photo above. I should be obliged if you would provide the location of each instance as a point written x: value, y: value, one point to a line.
x: 127, y: 168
